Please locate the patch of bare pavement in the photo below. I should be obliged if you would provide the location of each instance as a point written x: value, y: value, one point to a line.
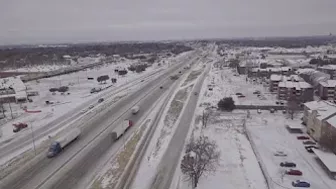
x: 170, y: 160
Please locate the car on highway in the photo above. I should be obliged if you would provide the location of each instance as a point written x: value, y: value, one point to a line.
x: 100, y: 100
x: 19, y: 126
x: 195, y: 93
x: 302, y: 137
x: 142, y: 80
x: 309, y: 142
x: 91, y: 106
x: 280, y: 153
x: 239, y: 93
x: 161, y: 87
x: 294, y: 172
x: 287, y: 164
x: 135, y: 110
x: 300, y: 183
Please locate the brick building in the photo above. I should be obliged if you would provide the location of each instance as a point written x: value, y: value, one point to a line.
x: 298, y: 90
x: 326, y: 90
x: 267, y: 72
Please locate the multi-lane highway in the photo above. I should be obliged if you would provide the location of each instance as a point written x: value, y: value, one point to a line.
x: 74, y: 162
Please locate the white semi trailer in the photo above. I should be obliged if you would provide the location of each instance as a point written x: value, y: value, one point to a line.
x: 58, y: 144
x: 121, y: 129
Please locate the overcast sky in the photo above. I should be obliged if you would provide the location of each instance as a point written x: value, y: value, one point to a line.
x: 60, y: 21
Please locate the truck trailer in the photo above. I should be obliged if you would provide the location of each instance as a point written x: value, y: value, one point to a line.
x: 59, y: 144
x: 121, y: 129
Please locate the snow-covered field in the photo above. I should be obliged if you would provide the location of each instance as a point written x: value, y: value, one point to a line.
x: 225, y: 83
x: 269, y: 135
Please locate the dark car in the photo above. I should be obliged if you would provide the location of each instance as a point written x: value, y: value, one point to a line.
x: 239, y: 94
x: 310, y: 148
x: 161, y: 87
x: 19, y: 126
x: 100, y: 100
x: 309, y: 142
x: 287, y: 164
x: 303, y: 137
x: 294, y: 172
x: 300, y: 183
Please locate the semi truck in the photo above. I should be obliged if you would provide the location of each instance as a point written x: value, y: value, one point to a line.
x: 121, y: 129
x: 60, y: 143
x: 135, y: 109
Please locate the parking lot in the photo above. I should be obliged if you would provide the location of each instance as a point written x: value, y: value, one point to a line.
x: 276, y: 144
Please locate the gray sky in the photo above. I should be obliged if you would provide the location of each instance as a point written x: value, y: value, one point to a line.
x: 60, y: 21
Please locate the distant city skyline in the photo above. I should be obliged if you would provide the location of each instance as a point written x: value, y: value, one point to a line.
x: 50, y: 22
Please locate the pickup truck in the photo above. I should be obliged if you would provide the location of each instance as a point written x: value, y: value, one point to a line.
x: 59, y: 144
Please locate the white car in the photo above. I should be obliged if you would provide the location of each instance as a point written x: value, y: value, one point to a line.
x: 280, y: 153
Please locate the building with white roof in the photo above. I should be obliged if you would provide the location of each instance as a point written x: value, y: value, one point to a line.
x: 295, y: 90
x: 315, y: 116
x: 327, y: 90
x: 12, y: 89
x: 328, y: 69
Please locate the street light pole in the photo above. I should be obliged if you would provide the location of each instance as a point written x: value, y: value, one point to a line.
x: 31, y: 128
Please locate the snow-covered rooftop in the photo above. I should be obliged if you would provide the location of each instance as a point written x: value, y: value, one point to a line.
x: 296, y: 85
x: 275, y: 77
x: 328, y: 83
x: 12, y: 82
x: 324, y: 108
x: 328, y: 67
x: 328, y: 159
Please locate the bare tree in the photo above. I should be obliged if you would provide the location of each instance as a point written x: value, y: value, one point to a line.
x: 292, y: 107
x: 202, y: 157
x: 205, y: 117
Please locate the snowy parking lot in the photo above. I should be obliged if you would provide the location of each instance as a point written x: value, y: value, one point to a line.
x: 244, y: 91
x: 269, y: 134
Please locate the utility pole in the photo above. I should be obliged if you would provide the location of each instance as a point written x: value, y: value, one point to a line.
x: 31, y: 128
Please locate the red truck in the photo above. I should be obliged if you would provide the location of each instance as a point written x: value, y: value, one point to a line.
x: 19, y: 126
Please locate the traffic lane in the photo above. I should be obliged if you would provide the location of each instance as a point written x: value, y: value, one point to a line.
x: 74, y: 175
x: 172, y: 155
x: 45, y: 168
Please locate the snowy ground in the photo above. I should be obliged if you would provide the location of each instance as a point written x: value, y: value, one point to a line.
x: 225, y: 83
x: 269, y: 134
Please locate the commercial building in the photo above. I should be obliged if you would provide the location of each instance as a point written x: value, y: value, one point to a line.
x: 12, y: 89
x: 295, y: 90
x: 326, y: 90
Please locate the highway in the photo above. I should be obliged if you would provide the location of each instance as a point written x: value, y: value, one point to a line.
x: 77, y: 160
x: 171, y: 158
x: 26, y: 139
